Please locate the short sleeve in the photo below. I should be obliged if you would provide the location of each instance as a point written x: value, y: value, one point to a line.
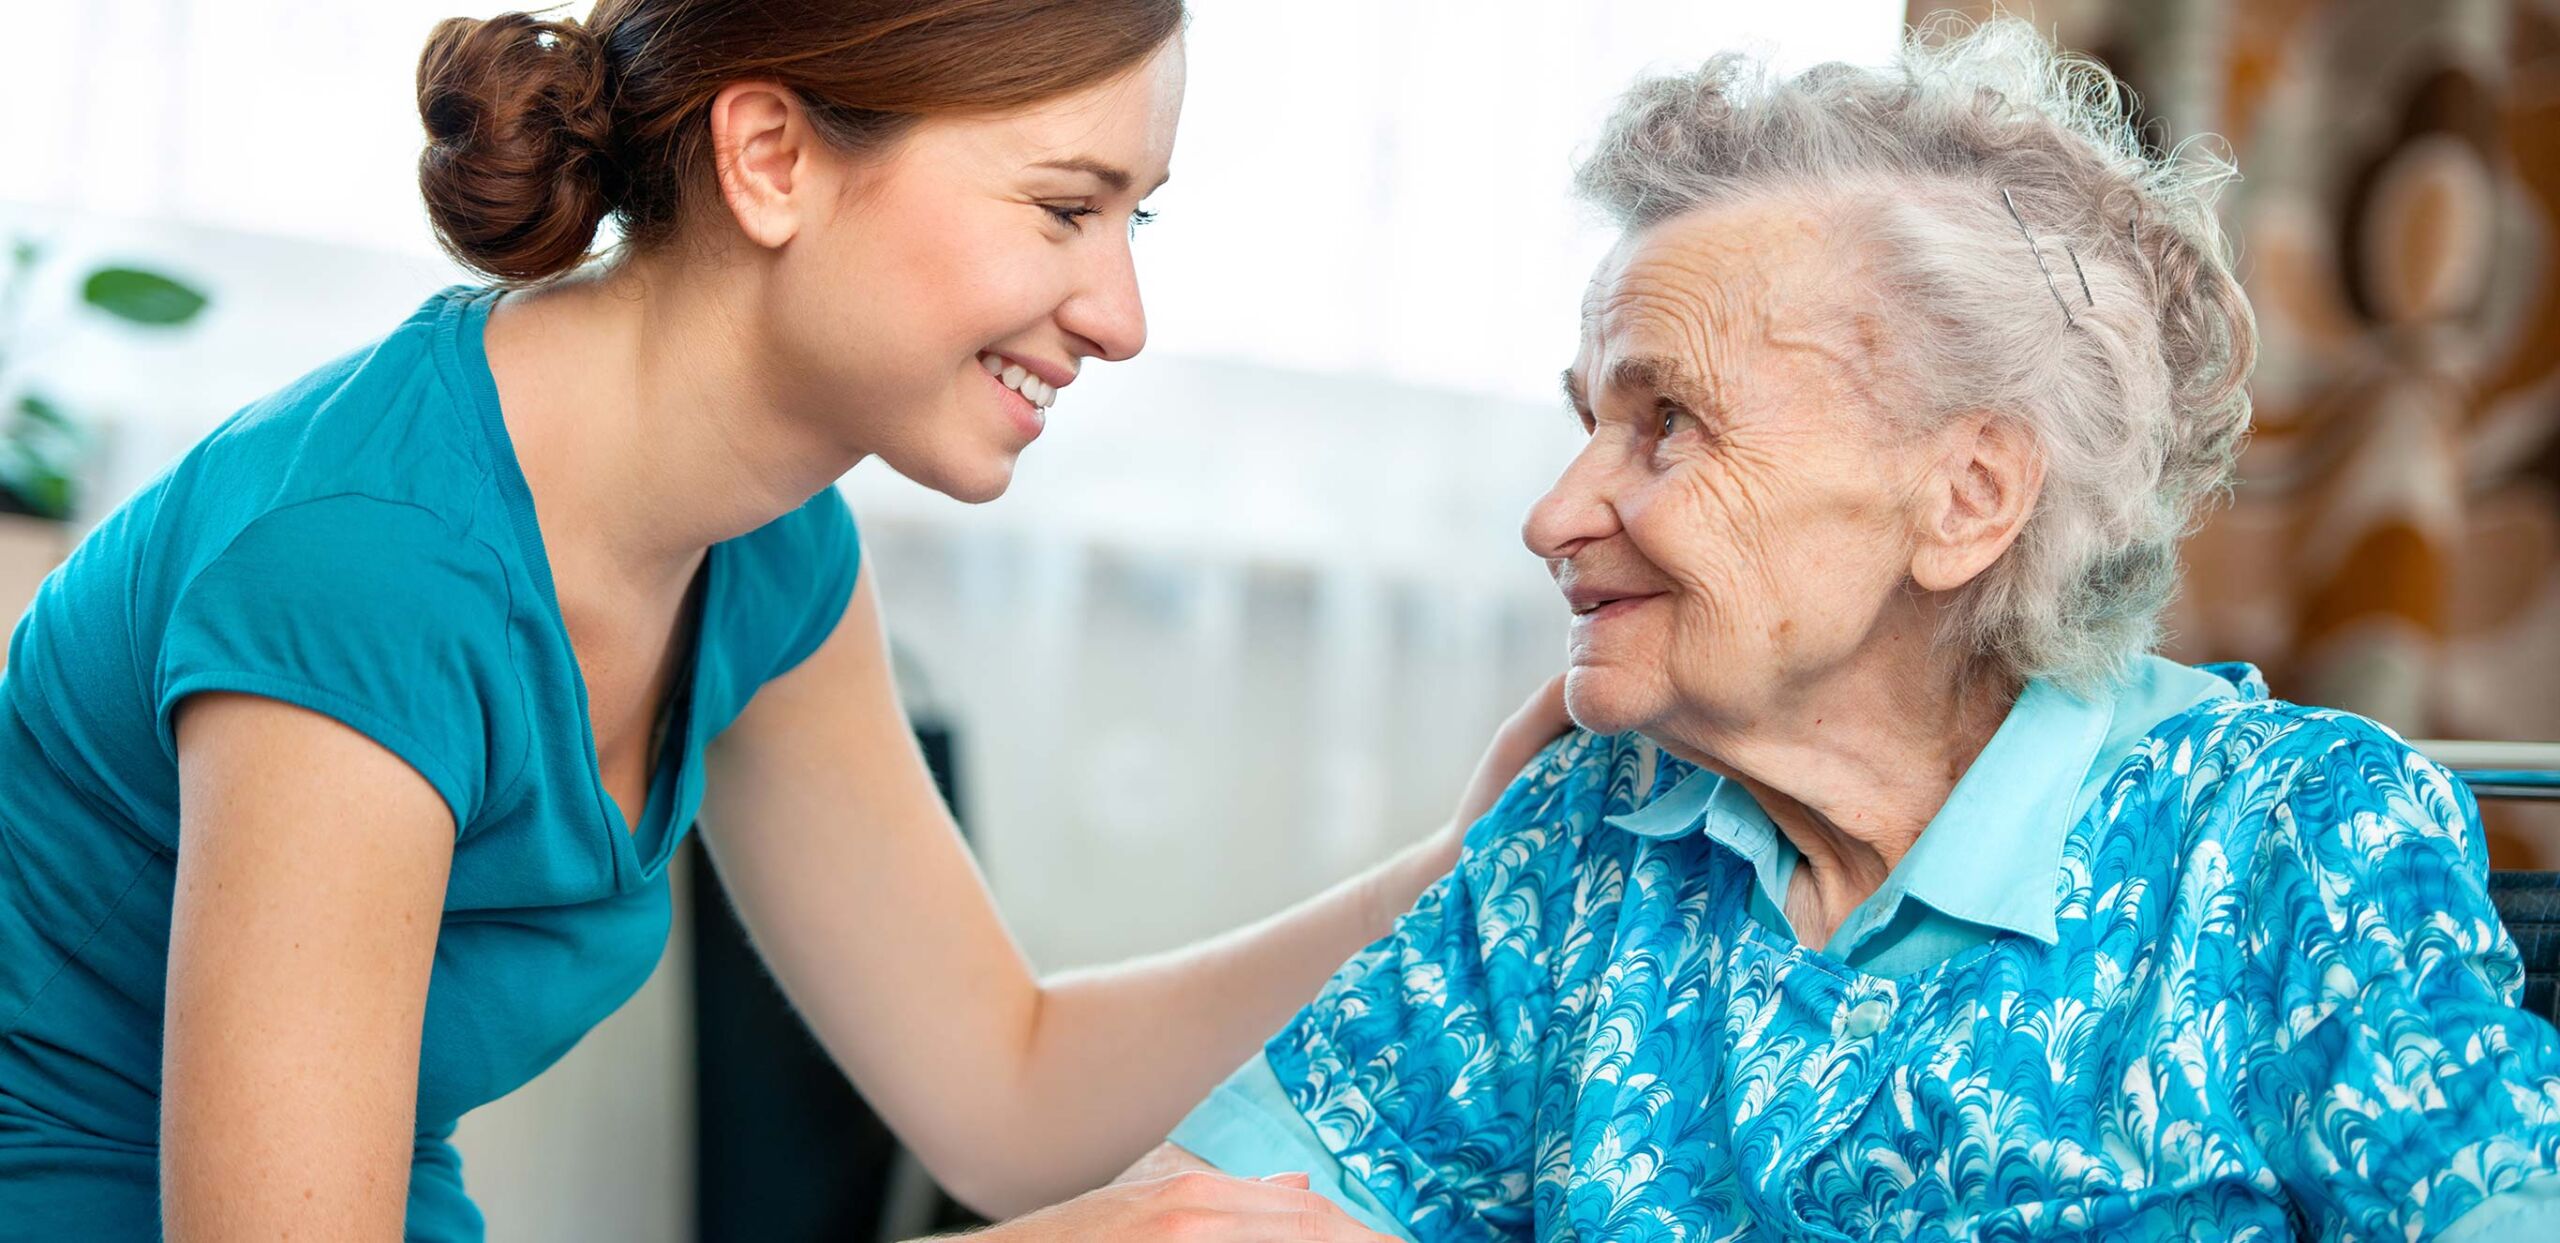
x: 798, y: 575
x: 2391, y: 1080
x: 1248, y: 1128
x: 374, y: 613
x: 1418, y: 1066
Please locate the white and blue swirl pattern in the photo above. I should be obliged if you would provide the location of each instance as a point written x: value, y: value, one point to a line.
x: 2280, y: 1004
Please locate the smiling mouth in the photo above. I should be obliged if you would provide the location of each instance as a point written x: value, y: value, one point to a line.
x: 1038, y: 392
x: 1610, y: 604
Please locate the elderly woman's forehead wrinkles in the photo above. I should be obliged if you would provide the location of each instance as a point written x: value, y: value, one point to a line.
x: 1645, y: 346
x: 1842, y: 348
x: 1709, y: 279
x: 1786, y: 301
x: 1704, y: 326
x: 1595, y: 295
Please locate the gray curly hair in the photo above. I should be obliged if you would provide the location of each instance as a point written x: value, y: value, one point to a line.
x: 2135, y: 390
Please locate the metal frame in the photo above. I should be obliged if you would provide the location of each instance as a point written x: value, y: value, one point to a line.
x: 2526, y: 771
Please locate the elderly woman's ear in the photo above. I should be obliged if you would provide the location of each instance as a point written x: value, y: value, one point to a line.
x: 1974, y: 501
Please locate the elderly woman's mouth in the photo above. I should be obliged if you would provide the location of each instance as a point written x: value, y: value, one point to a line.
x: 1603, y: 606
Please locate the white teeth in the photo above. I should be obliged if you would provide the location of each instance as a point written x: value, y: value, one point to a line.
x: 1013, y: 376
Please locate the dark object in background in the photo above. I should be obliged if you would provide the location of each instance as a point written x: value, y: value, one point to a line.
x: 785, y: 1151
x: 2529, y: 905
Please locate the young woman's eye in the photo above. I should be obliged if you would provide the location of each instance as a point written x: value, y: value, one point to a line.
x: 1069, y: 215
x: 1141, y: 216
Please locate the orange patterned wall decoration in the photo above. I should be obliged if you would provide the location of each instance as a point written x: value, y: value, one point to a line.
x: 2394, y: 546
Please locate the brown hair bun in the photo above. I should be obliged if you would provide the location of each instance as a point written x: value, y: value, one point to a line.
x: 537, y: 130
x: 518, y: 168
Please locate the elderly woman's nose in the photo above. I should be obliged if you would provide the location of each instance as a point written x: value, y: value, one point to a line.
x: 1573, y: 513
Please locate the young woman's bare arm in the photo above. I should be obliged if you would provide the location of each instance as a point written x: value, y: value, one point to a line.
x: 1015, y: 1091
x: 310, y: 886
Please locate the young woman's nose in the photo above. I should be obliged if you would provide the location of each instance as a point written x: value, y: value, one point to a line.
x: 1105, y: 310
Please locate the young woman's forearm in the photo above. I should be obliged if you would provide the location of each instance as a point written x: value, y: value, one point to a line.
x: 1014, y: 1091
x: 1119, y: 1054
x: 1116, y: 1056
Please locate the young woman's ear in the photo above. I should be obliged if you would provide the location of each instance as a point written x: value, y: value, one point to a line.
x: 767, y: 158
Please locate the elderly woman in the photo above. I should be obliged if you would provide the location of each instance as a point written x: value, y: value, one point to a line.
x: 1895, y: 890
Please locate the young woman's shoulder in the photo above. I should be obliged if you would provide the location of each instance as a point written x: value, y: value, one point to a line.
x: 405, y: 418
x: 336, y: 544
x: 787, y: 585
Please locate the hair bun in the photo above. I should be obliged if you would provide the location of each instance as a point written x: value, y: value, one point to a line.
x: 518, y: 169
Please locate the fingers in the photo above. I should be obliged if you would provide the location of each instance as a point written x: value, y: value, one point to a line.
x: 1331, y: 1226
x: 1321, y: 1218
x: 1275, y: 1208
x: 1314, y: 1219
x: 1541, y: 717
x: 1276, y: 1193
x: 1546, y: 707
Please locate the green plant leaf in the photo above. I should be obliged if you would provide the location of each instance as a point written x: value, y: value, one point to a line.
x: 12, y: 503
x: 52, y: 497
x: 41, y: 449
x: 142, y: 297
x: 37, y: 410
x: 34, y: 485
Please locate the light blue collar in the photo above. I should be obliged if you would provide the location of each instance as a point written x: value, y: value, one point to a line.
x: 1709, y: 802
x: 1992, y: 855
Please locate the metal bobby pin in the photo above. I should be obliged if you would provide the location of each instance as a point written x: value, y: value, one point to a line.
x: 2068, y: 319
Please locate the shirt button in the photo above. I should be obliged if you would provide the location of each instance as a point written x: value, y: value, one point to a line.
x: 1866, y: 1018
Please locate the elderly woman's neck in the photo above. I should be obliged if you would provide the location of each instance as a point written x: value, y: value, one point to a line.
x: 1853, y: 770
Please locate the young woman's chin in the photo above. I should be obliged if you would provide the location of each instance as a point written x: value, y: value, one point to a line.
x: 971, y: 477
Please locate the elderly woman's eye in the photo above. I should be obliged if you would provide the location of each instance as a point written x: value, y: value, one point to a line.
x: 1673, y: 416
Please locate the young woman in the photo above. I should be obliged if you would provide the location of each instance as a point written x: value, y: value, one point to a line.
x: 339, y: 769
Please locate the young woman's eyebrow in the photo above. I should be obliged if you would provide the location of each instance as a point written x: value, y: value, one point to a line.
x: 1110, y: 175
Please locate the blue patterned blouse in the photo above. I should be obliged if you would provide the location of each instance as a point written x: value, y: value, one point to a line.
x: 2273, y: 1001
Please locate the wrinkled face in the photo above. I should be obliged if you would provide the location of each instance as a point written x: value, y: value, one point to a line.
x: 937, y: 313
x: 1737, y: 525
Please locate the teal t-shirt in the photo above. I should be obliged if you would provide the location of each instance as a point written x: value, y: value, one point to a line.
x: 362, y: 544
